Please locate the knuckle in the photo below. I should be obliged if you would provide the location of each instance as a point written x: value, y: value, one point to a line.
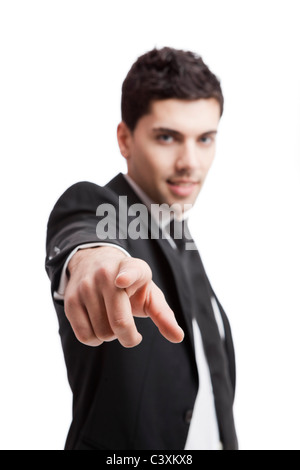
x: 85, y: 287
x: 106, y: 336
x: 104, y: 333
x: 130, y: 342
x: 71, y: 304
x: 145, y: 267
x: 120, y: 323
x: 85, y: 336
x: 103, y: 275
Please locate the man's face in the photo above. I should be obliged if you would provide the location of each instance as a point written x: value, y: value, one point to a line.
x: 172, y: 148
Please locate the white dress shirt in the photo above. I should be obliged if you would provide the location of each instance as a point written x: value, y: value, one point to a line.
x: 203, y: 432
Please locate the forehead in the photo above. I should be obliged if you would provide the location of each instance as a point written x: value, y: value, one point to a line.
x: 187, y: 117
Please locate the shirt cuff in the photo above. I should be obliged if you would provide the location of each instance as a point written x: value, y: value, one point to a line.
x: 60, y: 293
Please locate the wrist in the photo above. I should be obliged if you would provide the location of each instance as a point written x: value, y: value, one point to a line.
x: 87, y: 255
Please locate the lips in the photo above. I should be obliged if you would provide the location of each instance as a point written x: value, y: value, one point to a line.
x: 182, y: 187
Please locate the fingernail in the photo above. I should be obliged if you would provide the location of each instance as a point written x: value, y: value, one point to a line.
x: 121, y: 274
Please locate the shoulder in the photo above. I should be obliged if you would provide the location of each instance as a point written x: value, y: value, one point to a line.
x: 84, y: 194
x: 82, y: 189
x: 79, y: 201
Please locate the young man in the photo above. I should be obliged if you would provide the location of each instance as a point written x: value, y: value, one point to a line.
x: 147, y: 345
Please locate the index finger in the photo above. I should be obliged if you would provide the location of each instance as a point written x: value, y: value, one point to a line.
x: 119, y: 314
x: 161, y: 314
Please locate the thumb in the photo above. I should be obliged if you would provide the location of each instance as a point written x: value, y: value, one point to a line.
x: 133, y: 273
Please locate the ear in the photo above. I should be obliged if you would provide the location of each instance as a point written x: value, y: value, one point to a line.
x: 124, y: 139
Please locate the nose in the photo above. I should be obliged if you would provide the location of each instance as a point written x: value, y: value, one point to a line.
x: 187, y: 157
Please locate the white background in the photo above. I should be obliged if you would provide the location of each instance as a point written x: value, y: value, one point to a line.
x: 62, y: 66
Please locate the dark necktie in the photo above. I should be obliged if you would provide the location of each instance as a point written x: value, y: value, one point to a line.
x: 214, y: 347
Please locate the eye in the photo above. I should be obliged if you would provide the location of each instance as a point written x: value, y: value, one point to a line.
x: 206, y: 140
x: 165, y: 138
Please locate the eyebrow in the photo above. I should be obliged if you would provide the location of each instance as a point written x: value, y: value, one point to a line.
x: 175, y: 133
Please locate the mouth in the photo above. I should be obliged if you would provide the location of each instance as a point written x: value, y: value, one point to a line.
x: 182, y: 187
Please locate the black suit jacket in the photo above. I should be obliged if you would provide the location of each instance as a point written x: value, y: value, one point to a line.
x: 138, y: 398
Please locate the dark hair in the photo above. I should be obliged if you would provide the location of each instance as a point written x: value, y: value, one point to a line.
x: 166, y: 73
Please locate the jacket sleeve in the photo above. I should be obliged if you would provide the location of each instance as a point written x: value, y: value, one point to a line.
x: 73, y: 222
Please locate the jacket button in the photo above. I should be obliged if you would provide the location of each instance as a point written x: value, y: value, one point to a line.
x: 188, y: 416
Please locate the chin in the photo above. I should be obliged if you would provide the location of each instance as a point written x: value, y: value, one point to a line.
x: 183, y: 200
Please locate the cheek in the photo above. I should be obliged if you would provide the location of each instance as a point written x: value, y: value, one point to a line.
x: 154, y: 163
x: 151, y: 160
x: 208, y: 161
